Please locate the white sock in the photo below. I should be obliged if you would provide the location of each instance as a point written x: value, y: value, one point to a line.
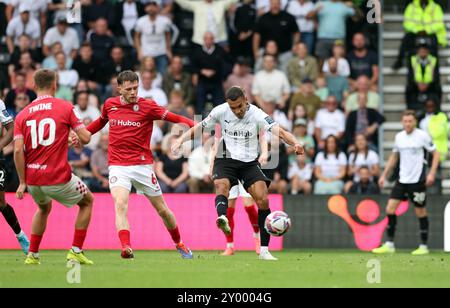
x: 390, y: 244
x: 423, y: 246
x: 36, y: 255
x: 230, y: 245
x: 76, y: 249
x: 20, y: 234
x: 264, y: 249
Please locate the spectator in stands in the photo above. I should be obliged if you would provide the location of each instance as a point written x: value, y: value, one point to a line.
x: 99, y: 166
x: 307, y: 98
x: 365, y: 121
x: 24, y: 23
x: 271, y: 48
x: 241, y: 76
x: 199, y: 167
x: 79, y: 161
x: 330, y: 169
x: 117, y: 63
x: 337, y: 85
x: 178, y: 106
x: 300, y: 176
x: 332, y: 17
x: 50, y: 61
x: 263, y: 6
x: 147, y: 91
x: 86, y: 66
x: 176, y: 78
x: 301, y: 10
x: 148, y: 64
x: 20, y: 88
x: 27, y: 67
x: 362, y: 88
x: 422, y: 18
x: 25, y: 45
x: 366, y: 185
x: 20, y: 102
x: 423, y: 79
x: 101, y: 41
x: 67, y: 78
x: 271, y: 85
x: 271, y: 108
x: 127, y: 14
x: 435, y: 123
x: 279, y: 26
x: 322, y: 90
x: 95, y: 10
x: 242, y: 25
x: 339, y: 53
x: 208, y: 62
x: 362, y: 157
x: 87, y: 113
x: 300, y: 131
x: 152, y: 37
x: 111, y: 90
x: 330, y: 121
x: 37, y: 8
x: 300, y: 112
x: 363, y: 62
x: 61, y: 33
x: 172, y: 172
x: 302, y: 67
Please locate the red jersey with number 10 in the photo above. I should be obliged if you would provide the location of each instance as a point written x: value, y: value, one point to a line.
x: 44, y: 125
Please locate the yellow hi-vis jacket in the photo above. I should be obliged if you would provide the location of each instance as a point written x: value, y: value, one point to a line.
x: 430, y: 20
x: 421, y: 76
x: 438, y: 128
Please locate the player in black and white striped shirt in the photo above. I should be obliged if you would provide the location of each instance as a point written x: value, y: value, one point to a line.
x: 411, y: 147
x: 7, y: 211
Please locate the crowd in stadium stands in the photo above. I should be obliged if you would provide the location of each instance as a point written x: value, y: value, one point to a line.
x: 311, y: 65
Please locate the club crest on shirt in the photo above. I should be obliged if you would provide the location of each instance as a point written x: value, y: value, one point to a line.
x: 136, y: 108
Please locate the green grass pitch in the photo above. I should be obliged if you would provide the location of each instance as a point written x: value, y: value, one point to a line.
x: 296, y: 268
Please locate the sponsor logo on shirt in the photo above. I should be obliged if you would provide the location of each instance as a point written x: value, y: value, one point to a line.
x: 128, y: 123
x: 269, y: 120
x: 239, y: 133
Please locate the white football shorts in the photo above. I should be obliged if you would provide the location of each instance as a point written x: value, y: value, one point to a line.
x: 141, y: 177
x: 68, y: 194
x: 238, y: 191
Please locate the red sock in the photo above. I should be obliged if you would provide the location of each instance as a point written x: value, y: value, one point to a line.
x: 35, y: 242
x: 253, y: 217
x: 230, y: 216
x: 175, y: 234
x: 78, y: 238
x: 124, y: 236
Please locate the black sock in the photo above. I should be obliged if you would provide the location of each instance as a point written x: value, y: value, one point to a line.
x: 221, y: 205
x: 424, y: 228
x: 265, y: 237
x: 392, y: 224
x: 11, y: 218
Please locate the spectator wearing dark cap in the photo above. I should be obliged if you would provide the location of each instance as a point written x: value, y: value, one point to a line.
x: 24, y: 23
x: 241, y: 76
x: 306, y: 96
x: 63, y: 34
x: 423, y: 79
x: 301, y: 67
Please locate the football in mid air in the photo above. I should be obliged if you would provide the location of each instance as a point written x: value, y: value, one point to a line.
x: 277, y: 223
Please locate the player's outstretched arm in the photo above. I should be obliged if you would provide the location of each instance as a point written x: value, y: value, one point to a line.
x: 189, y: 135
x: 19, y: 161
x: 175, y: 118
x: 287, y: 137
x: 97, y: 125
x: 84, y: 135
x: 392, y: 162
x: 8, y: 137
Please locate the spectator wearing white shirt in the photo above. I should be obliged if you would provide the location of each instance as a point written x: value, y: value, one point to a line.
x: 329, y: 121
x: 61, y: 33
x: 362, y: 157
x: 343, y: 67
x: 300, y: 9
x: 199, y: 167
x: 263, y: 6
x: 271, y: 85
x: 153, y: 38
x: 300, y: 174
x: 23, y: 24
x: 67, y: 78
x: 87, y: 114
x: 127, y: 13
x: 146, y: 90
x: 330, y: 169
x: 37, y: 8
x: 50, y: 61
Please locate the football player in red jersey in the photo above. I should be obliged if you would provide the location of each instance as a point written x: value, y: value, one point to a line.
x: 41, y: 133
x: 130, y: 158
